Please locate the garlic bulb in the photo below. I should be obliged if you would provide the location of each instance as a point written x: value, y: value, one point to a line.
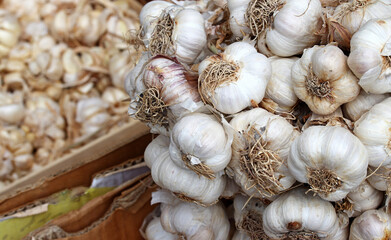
x: 370, y: 53
x: 334, y: 119
x: 280, y: 97
x: 11, y: 107
x: 364, y: 198
x: 6, y: 166
x: 371, y: 225
x: 186, y: 184
x: 296, y: 215
x: 362, y: 104
x: 260, y: 151
x: 119, y: 66
x: 330, y: 159
x: 200, y: 143
x: 173, y: 31
x: 373, y: 129
x: 155, y: 231
x: 231, y: 189
x: 9, y: 33
x: 284, y: 27
x: 380, y: 179
x: 134, y: 84
x: 322, y: 79
x: 235, y: 79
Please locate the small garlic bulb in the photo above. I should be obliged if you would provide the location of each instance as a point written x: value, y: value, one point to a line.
x: 234, y: 79
x: 322, y: 79
x: 173, y: 31
x: 155, y: 231
x: 330, y: 159
x: 186, y: 184
x: 364, y: 198
x: 191, y: 220
x: 12, y: 109
x: 362, y: 104
x: 380, y: 180
x: 374, y: 131
x: 370, y: 56
x: 200, y: 143
x: 371, y: 225
x: 10, y: 31
x: 297, y: 215
x: 260, y: 151
x: 280, y: 97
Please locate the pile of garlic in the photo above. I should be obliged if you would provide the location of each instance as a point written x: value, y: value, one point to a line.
x: 62, y: 72
x: 276, y: 111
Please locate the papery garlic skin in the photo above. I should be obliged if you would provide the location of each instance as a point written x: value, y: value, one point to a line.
x: 332, y: 154
x: 371, y: 225
x: 155, y: 231
x: 277, y: 135
x: 178, y: 180
x: 199, y: 139
x: 9, y: 33
x: 370, y: 53
x: 362, y: 104
x: 374, y: 131
x: 322, y: 79
x: 244, y: 85
x: 297, y: 213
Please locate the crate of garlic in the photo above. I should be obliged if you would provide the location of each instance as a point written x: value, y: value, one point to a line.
x: 63, y: 65
x: 274, y: 115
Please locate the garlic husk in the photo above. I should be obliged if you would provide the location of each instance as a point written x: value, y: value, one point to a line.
x: 364, y: 198
x: 334, y: 119
x: 155, y: 231
x: 186, y: 184
x: 200, y: 143
x: 362, y: 104
x: 235, y: 79
x: 369, y: 57
x: 374, y: 131
x: 12, y: 109
x: 9, y: 33
x: 322, y: 79
x: 371, y: 225
x: 173, y: 31
x: 260, y: 151
x: 191, y: 220
x: 297, y: 214
x: 280, y: 87
x: 330, y: 159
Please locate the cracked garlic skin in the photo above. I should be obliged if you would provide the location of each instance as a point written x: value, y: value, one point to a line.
x: 322, y: 79
x: 370, y: 56
x: 173, y: 31
x: 374, y: 131
x: 234, y: 79
x: 186, y: 184
x: 199, y: 142
x: 261, y: 139
x: 10, y: 31
x: 330, y: 159
x: 296, y: 214
x: 371, y: 225
x: 155, y: 231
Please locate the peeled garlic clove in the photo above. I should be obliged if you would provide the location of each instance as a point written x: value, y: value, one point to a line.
x: 371, y: 225
x: 186, y: 184
x: 200, y: 143
x: 374, y: 131
x: 370, y: 53
x: 295, y: 214
x: 155, y: 231
x: 235, y: 79
x: 330, y: 159
x: 260, y: 151
x: 322, y: 79
x: 10, y: 31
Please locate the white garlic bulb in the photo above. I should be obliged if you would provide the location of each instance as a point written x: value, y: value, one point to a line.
x: 12, y: 109
x: 280, y: 97
x: 173, y: 31
x: 200, y: 143
x: 380, y: 179
x: 322, y: 79
x: 373, y: 129
x: 371, y: 225
x: 259, y: 152
x: 10, y: 31
x: 363, y: 102
x: 155, y: 231
x: 330, y: 159
x: 234, y: 79
x: 296, y: 215
x: 370, y: 53
x: 284, y: 28
x: 134, y: 84
x: 186, y: 184
x: 334, y: 119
